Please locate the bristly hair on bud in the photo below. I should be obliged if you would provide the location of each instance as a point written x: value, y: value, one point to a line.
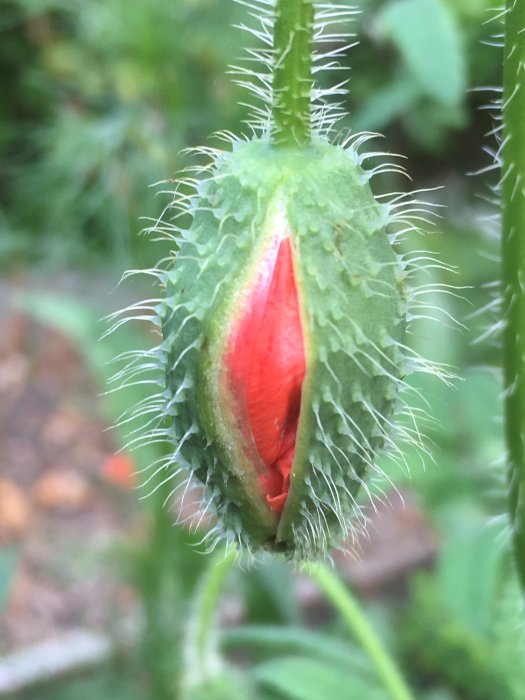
x: 285, y: 308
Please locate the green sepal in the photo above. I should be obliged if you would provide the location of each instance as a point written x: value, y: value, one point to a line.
x: 351, y: 297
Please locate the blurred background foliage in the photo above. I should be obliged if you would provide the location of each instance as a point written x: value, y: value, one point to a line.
x: 98, y: 99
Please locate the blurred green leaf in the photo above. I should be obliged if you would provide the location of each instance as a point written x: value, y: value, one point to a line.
x: 471, y: 9
x: 386, y: 104
x: 441, y: 647
x: 468, y: 573
x: 430, y: 123
x: 304, y: 678
x: 426, y: 35
x: 8, y: 559
x: 440, y: 695
x: 229, y: 684
x: 279, y: 640
x: 107, y: 683
x: 508, y: 635
x: 481, y: 410
x: 269, y: 594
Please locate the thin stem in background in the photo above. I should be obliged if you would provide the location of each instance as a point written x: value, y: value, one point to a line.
x: 200, y: 647
x: 292, y: 72
x: 513, y: 260
x: 361, y: 629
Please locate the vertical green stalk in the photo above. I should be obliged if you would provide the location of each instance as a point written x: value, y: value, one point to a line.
x: 360, y: 628
x: 159, y: 578
x: 513, y: 262
x: 292, y: 72
x: 200, y: 647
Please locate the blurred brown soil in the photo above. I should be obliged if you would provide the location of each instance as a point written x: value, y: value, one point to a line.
x: 58, y: 512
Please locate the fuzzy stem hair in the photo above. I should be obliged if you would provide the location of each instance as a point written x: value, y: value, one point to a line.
x: 513, y: 259
x: 292, y: 72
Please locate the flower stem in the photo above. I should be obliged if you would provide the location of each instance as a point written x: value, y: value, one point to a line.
x: 359, y: 626
x: 202, y: 658
x: 292, y: 72
x: 513, y: 263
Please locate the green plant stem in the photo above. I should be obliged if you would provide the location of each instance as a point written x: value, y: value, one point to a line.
x: 359, y: 626
x: 292, y: 72
x: 513, y: 266
x: 202, y: 657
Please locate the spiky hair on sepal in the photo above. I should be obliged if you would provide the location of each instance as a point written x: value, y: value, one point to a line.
x: 283, y: 241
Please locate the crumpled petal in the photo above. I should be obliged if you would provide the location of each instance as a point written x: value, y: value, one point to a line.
x: 266, y: 365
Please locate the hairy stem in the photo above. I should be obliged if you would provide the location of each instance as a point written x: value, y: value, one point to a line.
x: 513, y: 259
x: 358, y: 625
x: 292, y: 72
x: 202, y: 658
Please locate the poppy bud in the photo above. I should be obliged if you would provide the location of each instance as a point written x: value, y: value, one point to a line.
x: 282, y: 327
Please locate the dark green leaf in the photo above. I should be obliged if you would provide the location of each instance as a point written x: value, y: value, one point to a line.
x: 269, y: 593
x: 386, y: 104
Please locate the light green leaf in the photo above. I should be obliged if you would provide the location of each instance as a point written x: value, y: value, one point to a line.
x: 430, y: 43
x: 301, y: 678
x: 8, y: 559
x: 468, y: 576
x: 278, y: 640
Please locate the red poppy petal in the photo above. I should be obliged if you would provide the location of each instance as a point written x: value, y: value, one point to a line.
x: 266, y: 365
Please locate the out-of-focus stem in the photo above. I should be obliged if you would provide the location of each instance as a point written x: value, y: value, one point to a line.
x: 360, y: 628
x: 200, y: 644
x: 513, y: 259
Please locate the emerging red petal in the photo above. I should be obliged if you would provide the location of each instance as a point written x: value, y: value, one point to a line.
x: 266, y: 367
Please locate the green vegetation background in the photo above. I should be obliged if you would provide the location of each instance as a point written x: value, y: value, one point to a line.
x: 98, y: 98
